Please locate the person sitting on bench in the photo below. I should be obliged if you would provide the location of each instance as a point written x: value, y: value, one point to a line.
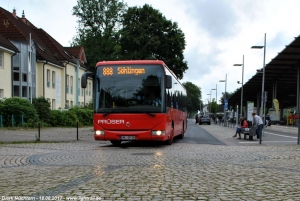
x: 242, y: 124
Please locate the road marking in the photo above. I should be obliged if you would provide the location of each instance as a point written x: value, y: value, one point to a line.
x: 280, y: 135
x: 264, y: 141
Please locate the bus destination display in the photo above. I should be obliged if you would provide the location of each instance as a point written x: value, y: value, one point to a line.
x: 109, y: 71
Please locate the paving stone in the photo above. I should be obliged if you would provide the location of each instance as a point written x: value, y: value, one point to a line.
x: 181, y: 171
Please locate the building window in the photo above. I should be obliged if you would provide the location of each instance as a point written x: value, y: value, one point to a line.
x: 24, y: 77
x: 1, y: 59
x: 90, y: 88
x: 48, y: 78
x: 67, y: 84
x: 53, y: 104
x: 53, y: 79
x: 16, y: 90
x: 67, y: 105
x: 1, y: 93
x: 24, y: 91
x: 71, y: 103
x: 71, y: 84
x: 16, y: 76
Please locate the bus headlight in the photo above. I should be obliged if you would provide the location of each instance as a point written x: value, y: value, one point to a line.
x: 158, y: 133
x: 99, y: 132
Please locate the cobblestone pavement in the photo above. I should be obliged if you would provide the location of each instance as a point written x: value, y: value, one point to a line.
x: 88, y: 170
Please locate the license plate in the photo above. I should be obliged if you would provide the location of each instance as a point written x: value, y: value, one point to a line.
x: 247, y: 129
x: 127, y: 137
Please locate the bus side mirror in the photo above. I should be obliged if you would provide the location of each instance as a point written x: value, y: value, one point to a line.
x: 168, y: 81
x: 84, y: 78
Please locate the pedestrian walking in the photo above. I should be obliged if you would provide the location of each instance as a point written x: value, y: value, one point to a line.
x: 258, y: 122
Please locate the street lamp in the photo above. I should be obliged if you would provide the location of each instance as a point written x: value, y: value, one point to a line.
x: 209, y: 102
x: 263, y: 82
x: 224, y: 94
x: 216, y: 94
x: 242, y: 84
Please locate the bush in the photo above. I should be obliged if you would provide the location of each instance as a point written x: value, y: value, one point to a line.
x: 18, y: 106
x: 85, y: 116
x: 62, y: 118
x: 42, y: 106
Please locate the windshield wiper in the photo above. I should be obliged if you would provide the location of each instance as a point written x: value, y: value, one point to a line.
x: 151, y: 114
x: 105, y: 114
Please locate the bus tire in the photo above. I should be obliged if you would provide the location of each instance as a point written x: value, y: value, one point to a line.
x: 182, y: 132
x: 170, y: 140
x: 116, y: 142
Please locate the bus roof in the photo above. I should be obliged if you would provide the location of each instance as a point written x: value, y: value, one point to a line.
x: 101, y: 63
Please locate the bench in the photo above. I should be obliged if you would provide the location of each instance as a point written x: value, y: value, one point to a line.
x: 246, y: 131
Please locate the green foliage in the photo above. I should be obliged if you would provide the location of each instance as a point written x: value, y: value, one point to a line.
x: 42, y: 106
x: 85, y: 116
x: 147, y: 34
x: 69, y: 118
x: 193, y: 96
x: 98, y: 24
x: 89, y: 106
x: 18, y: 106
x: 63, y: 118
x: 109, y: 31
x: 214, y: 107
x: 227, y: 97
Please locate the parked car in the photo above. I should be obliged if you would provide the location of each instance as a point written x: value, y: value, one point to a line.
x: 204, y: 120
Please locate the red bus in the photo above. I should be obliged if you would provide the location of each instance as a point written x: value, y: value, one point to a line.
x: 137, y: 100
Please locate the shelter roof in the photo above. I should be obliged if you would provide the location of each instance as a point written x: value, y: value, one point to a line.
x: 280, y: 73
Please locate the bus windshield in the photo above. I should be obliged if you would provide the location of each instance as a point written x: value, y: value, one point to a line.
x: 129, y: 89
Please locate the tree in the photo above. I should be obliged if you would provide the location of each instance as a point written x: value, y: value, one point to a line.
x: 214, y: 107
x: 98, y: 26
x: 147, y: 34
x: 227, y: 96
x: 193, y: 96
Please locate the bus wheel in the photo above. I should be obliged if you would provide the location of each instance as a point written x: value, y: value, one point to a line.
x: 170, y: 140
x: 182, y: 132
x: 116, y: 142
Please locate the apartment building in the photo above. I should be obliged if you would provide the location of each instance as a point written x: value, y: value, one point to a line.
x: 33, y: 64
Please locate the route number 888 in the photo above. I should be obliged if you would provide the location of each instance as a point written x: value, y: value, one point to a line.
x: 108, y: 71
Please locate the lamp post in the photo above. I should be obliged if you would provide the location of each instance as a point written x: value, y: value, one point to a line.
x: 242, y: 84
x: 209, y: 102
x: 216, y: 94
x: 224, y: 94
x: 263, y: 83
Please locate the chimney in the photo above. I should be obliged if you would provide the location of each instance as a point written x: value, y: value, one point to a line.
x: 23, y: 18
x: 14, y: 13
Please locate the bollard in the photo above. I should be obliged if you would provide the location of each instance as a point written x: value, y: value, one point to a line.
x: 77, y: 130
x: 39, y: 131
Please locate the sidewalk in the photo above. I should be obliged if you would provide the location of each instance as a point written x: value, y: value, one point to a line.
x: 281, y: 128
x: 46, y: 134
x: 286, y: 129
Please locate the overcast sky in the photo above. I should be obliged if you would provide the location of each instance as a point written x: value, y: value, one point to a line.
x: 218, y: 33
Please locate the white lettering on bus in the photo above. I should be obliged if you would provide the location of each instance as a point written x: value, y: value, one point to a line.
x: 111, y: 121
